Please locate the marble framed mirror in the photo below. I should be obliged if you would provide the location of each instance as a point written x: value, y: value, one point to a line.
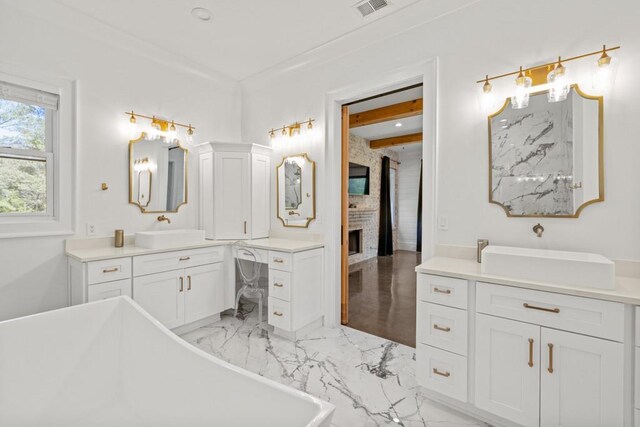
x: 546, y: 160
x: 157, y: 175
x: 296, y: 190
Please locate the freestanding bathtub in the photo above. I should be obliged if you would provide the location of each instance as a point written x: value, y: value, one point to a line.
x: 109, y: 363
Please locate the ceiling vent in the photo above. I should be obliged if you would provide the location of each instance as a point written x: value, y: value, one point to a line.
x: 369, y: 6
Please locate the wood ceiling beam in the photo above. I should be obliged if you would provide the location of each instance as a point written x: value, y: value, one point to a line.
x: 385, y: 114
x: 396, y: 140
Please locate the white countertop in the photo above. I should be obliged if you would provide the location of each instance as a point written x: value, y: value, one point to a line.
x: 627, y: 289
x: 84, y: 251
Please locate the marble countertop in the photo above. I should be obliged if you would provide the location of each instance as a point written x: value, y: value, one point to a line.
x: 627, y: 289
x: 85, y: 250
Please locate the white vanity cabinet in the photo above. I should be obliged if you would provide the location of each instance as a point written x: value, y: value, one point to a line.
x: 235, y: 190
x: 534, y: 358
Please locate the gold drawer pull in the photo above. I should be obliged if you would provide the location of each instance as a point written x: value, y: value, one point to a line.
x: 440, y: 328
x: 533, y: 307
x: 278, y: 260
x: 442, y: 291
x: 550, y: 368
x: 184, y: 258
x: 442, y: 374
x: 181, y: 283
x: 277, y: 313
x: 530, y: 353
x: 278, y: 285
x: 189, y: 281
x: 110, y: 270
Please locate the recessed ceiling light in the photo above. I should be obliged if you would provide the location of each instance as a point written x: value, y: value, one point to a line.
x: 201, y: 13
x: 398, y: 124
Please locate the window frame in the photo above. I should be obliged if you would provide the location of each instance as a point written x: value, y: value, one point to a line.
x: 59, y: 155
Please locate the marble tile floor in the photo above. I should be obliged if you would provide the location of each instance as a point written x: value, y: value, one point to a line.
x: 370, y: 380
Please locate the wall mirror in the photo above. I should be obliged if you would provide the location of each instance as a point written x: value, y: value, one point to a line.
x: 546, y: 159
x: 296, y: 191
x: 157, y: 174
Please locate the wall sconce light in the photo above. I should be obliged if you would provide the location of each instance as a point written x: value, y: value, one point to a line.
x: 293, y: 129
x: 553, y: 73
x: 159, y: 128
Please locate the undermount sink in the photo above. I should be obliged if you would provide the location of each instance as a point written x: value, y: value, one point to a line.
x: 579, y: 269
x: 169, y: 238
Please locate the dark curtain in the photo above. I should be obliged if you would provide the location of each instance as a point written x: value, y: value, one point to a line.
x: 385, y: 236
x: 419, y: 231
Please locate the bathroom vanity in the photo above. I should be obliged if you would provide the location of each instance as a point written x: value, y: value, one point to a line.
x: 515, y: 352
x: 186, y: 287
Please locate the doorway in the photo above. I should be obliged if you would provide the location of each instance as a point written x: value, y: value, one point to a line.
x: 381, y: 212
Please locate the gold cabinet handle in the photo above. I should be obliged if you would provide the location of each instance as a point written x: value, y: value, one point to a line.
x: 278, y: 285
x: 184, y: 258
x: 245, y: 227
x: 446, y: 374
x: 442, y: 291
x: 530, y: 353
x: 181, y: 284
x: 110, y: 270
x: 189, y: 281
x: 278, y: 260
x: 277, y: 313
x: 440, y: 328
x: 550, y: 368
x: 533, y: 307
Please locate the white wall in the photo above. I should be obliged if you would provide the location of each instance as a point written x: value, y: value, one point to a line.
x: 114, y: 73
x: 408, y: 190
x: 488, y: 37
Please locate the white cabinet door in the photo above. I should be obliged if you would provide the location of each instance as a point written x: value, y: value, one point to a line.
x: 162, y: 296
x: 581, y: 381
x: 204, y: 293
x: 508, y: 369
x: 260, y: 195
x: 232, y: 205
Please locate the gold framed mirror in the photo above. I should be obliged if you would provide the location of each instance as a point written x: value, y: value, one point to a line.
x: 546, y: 160
x: 296, y: 191
x: 158, y: 171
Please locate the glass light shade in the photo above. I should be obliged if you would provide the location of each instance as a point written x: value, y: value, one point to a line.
x: 559, y: 84
x: 602, y: 77
x: 520, y: 98
x: 189, y: 138
x: 132, y: 130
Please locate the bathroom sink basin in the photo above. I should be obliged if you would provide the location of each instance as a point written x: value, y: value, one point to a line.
x: 169, y: 238
x: 579, y: 269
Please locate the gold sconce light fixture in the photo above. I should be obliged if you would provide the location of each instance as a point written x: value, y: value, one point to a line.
x: 166, y: 130
x: 292, y: 129
x: 554, y: 74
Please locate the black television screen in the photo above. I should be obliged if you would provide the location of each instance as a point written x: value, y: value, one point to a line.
x: 358, y: 179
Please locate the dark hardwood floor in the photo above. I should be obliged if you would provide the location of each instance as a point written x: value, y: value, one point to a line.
x: 382, y: 296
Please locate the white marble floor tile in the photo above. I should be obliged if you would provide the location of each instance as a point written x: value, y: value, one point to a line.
x: 370, y: 380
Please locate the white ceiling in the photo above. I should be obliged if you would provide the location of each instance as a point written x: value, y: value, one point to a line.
x: 244, y: 37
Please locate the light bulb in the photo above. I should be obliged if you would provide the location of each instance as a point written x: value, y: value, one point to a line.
x: 172, y: 133
x: 602, y: 76
x: 132, y: 127
x: 520, y: 99
x: 559, y: 81
x: 487, y: 98
x: 190, y: 134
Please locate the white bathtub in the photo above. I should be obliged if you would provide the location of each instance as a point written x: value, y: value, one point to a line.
x: 109, y: 363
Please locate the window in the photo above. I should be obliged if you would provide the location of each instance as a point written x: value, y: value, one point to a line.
x: 28, y: 141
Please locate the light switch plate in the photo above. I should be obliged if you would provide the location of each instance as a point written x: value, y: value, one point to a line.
x: 443, y: 222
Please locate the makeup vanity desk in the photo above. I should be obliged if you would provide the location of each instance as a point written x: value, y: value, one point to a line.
x: 189, y: 286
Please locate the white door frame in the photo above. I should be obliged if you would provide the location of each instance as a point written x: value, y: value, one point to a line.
x: 425, y: 72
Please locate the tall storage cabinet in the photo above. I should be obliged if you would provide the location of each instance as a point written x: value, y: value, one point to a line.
x: 235, y: 184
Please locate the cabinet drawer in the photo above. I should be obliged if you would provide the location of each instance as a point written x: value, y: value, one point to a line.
x: 108, y: 270
x: 443, y: 290
x: 280, y: 260
x: 280, y: 284
x: 441, y: 371
x: 167, y: 261
x: 442, y: 327
x: 583, y: 315
x: 109, y: 290
x: 279, y: 314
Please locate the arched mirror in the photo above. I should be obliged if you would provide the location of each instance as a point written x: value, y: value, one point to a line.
x: 157, y: 174
x: 296, y: 191
x: 546, y: 159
